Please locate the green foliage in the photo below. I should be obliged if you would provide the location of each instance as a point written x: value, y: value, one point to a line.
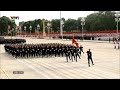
x: 104, y: 20
x: 55, y: 25
x: 70, y: 25
x: 4, y: 22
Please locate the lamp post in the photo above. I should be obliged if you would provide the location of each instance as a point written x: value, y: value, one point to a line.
x: 25, y: 30
x: 30, y: 30
x: 82, y: 23
x: 16, y: 31
x: 38, y: 28
x: 61, y: 27
x: 117, y: 19
x: 44, y: 34
x: 48, y: 26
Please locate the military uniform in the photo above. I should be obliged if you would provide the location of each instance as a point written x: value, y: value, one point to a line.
x: 89, y: 54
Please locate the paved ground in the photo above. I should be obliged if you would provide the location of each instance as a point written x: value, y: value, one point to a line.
x: 106, y: 60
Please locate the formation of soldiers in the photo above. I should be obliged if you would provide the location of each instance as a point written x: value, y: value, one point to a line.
x: 12, y: 41
x: 44, y: 50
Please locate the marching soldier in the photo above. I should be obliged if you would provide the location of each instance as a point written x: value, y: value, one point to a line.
x: 67, y: 54
x: 76, y: 51
x: 72, y: 54
x: 81, y: 49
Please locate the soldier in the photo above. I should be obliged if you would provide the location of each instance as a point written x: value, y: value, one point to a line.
x: 33, y: 50
x: 37, y: 50
x: 89, y: 54
x: 23, y: 51
x: 20, y: 50
x: 40, y: 50
x: 76, y: 51
x: 81, y: 49
x: 67, y: 54
x: 27, y: 49
x: 72, y: 54
x: 55, y: 50
x: 62, y: 50
x: 58, y: 50
x: 50, y: 50
x: 114, y: 44
x: 17, y: 51
x: 109, y: 39
x: 43, y: 51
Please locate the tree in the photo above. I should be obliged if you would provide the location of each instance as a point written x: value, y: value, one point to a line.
x: 104, y: 20
x: 55, y: 25
x: 4, y: 22
x: 70, y: 25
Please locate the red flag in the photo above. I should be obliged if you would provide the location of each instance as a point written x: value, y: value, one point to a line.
x: 77, y: 45
x: 75, y: 42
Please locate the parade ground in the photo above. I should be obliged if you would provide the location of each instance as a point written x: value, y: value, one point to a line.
x: 105, y: 57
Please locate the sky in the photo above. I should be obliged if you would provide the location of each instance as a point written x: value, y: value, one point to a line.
x: 49, y: 15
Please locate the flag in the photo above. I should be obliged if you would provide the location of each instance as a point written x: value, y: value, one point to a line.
x: 77, y: 45
x: 75, y: 42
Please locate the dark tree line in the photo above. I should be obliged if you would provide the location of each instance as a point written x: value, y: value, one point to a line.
x: 103, y: 20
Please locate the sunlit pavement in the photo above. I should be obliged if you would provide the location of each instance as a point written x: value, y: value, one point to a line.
x: 105, y: 57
